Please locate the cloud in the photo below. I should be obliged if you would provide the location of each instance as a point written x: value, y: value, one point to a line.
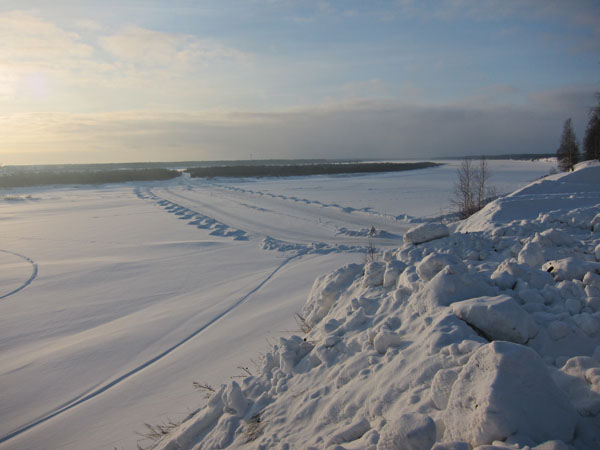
x: 8, y: 82
x: 139, y: 45
x: 27, y: 38
x: 88, y: 25
x: 34, y: 53
x: 95, y: 69
x: 354, y: 129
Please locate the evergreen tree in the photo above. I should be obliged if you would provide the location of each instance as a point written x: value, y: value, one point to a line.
x: 568, y: 152
x: 591, y: 142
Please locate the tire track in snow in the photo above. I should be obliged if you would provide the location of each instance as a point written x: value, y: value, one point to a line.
x: 100, y: 390
x: 339, y: 225
x: 200, y: 220
x: 221, y: 229
x: 34, y: 273
x: 317, y: 203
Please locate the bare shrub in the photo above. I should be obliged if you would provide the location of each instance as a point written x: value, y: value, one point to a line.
x: 302, y: 323
x: 370, y: 255
x: 205, y: 388
x: 155, y: 433
x: 244, y: 374
x: 471, y: 190
x: 254, y: 427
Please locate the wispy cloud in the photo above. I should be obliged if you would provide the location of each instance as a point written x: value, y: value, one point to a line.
x: 25, y: 38
x: 134, y: 44
x: 33, y: 51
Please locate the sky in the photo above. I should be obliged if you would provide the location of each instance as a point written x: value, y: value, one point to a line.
x: 146, y: 80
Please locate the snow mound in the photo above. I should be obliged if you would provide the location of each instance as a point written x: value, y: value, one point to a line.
x: 488, y: 339
x: 506, y: 390
x: 498, y: 318
x: 410, y: 431
x: 426, y: 232
x: 325, y: 292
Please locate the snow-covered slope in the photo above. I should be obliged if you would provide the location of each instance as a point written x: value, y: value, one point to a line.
x: 552, y: 193
x: 485, y: 337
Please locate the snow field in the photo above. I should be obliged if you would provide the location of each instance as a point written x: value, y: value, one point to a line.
x: 116, y: 298
x: 486, y: 338
x: 120, y: 282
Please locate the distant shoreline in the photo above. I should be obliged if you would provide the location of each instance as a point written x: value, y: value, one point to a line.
x: 75, y: 167
x: 47, y: 177
x: 51, y: 176
x: 513, y: 156
x: 303, y: 169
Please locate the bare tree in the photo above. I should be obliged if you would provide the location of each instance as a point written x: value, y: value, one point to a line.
x: 481, y: 179
x: 463, y: 189
x: 471, y: 189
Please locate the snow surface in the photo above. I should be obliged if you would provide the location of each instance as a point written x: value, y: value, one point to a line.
x: 114, y: 299
x: 488, y: 338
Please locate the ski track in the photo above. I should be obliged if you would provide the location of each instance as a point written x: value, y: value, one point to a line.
x: 34, y: 273
x: 94, y: 392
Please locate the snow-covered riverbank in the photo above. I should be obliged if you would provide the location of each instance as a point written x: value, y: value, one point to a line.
x: 486, y: 338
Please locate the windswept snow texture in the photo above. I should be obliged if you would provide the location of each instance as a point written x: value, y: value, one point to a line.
x: 485, y: 338
x: 115, y: 299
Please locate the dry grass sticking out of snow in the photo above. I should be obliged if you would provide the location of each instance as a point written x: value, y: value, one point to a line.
x: 484, y: 338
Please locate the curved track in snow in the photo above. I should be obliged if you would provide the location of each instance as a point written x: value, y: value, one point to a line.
x: 34, y: 273
x: 86, y: 396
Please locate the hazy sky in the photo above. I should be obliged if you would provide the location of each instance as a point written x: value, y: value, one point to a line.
x: 148, y: 80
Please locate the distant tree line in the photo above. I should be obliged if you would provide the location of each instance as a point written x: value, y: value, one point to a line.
x: 303, y: 169
x: 98, y: 167
x: 568, y: 152
x: 507, y: 156
x: 47, y: 177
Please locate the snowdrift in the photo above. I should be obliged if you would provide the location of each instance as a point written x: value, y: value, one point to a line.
x: 486, y: 336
